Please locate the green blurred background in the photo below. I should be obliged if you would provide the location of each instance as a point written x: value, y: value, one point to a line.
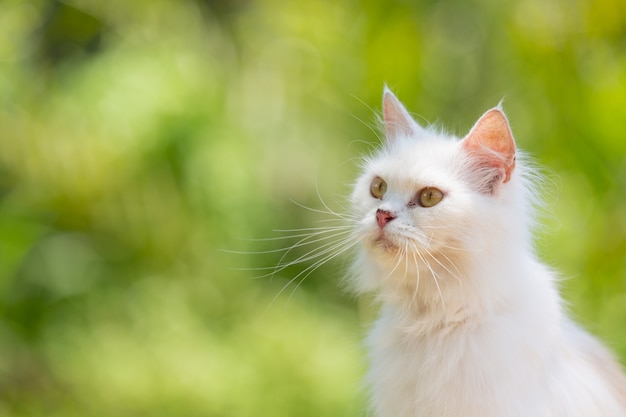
x: 139, y: 140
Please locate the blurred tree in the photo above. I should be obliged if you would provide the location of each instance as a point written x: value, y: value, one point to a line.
x: 67, y: 33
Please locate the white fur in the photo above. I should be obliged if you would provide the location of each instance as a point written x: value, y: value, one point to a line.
x: 471, y: 323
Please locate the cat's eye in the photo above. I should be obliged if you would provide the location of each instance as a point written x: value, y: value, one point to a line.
x: 429, y: 196
x: 378, y: 188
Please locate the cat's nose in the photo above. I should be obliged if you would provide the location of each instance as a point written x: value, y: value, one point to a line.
x: 383, y: 217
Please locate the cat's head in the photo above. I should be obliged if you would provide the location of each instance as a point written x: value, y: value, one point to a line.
x: 429, y: 201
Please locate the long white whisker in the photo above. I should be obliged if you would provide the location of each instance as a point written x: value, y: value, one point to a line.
x: 434, y: 275
x: 327, y: 211
x: 429, y: 226
x: 453, y: 247
x: 320, y: 229
x: 331, y: 211
x: 306, y: 240
x: 310, y: 229
x: 458, y: 276
x: 347, y: 219
x: 440, y: 244
x: 336, y: 250
x: 313, y: 254
x: 406, y: 258
x: 399, y: 258
x: 443, y: 266
x: 376, y: 132
x: 417, y: 272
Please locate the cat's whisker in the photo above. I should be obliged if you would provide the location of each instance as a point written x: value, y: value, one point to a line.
x: 360, y: 159
x: 314, y: 210
x: 337, y: 251
x: 281, y: 238
x: 371, y: 128
x: 308, y: 231
x: 313, y: 254
x: 430, y: 237
x: 327, y: 255
x: 405, y: 255
x: 330, y: 253
x: 397, y: 258
x: 443, y: 266
x: 452, y: 247
x: 309, y: 240
x: 341, y: 225
x: 306, y: 240
x: 435, y: 279
x: 343, y: 221
x: 459, y: 274
x: 417, y: 272
x: 374, y: 130
x: 330, y: 211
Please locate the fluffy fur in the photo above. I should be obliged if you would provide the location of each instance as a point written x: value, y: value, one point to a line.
x: 471, y: 323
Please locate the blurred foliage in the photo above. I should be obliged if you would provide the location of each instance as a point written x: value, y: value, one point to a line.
x: 139, y: 139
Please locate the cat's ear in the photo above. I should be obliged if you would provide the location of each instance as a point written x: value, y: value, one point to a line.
x: 398, y: 121
x: 491, y: 146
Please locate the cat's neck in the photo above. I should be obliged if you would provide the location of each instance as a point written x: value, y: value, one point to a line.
x: 450, y: 292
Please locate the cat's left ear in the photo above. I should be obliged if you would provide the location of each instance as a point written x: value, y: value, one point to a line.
x: 491, y: 145
x: 398, y: 121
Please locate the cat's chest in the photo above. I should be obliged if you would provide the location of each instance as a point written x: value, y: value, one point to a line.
x: 471, y: 369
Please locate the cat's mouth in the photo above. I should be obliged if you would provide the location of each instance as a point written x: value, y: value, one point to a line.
x: 384, y: 242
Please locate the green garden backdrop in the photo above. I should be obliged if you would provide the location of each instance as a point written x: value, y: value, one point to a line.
x: 143, y: 142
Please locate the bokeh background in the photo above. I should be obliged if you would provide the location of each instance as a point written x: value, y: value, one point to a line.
x: 144, y: 143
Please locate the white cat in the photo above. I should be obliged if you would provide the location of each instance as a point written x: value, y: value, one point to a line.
x: 471, y: 323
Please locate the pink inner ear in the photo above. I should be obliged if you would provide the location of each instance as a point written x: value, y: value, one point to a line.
x: 397, y: 119
x: 492, y: 142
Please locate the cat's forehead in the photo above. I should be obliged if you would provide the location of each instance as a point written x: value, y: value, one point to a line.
x: 430, y: 159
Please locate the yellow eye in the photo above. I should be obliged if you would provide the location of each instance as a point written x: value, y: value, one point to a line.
x: 378, y: 187
x: 429, y: 196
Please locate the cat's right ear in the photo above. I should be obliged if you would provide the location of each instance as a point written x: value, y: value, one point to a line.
x: 398, y: 121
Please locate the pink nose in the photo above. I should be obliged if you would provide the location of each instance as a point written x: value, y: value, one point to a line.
x: 383, y: 217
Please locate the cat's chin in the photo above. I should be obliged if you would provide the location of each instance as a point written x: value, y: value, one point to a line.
x: 385, y: 243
